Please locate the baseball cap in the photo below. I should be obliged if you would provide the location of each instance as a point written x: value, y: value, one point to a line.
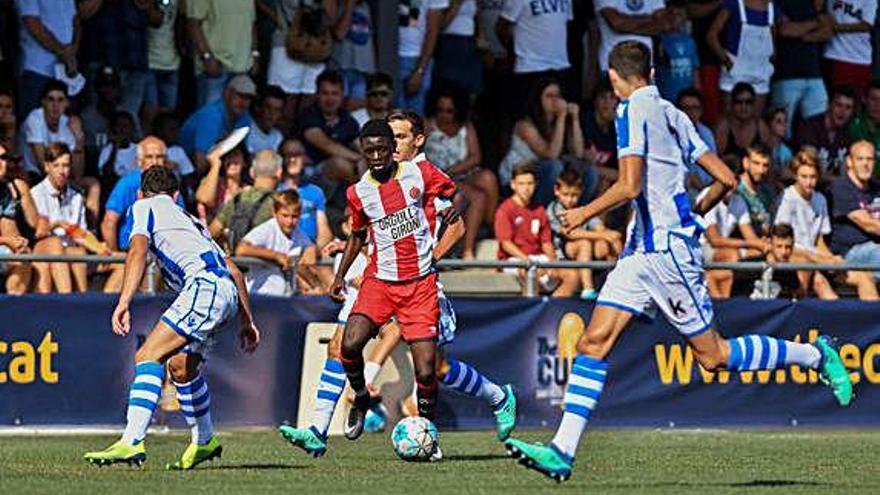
x: 243, y: 85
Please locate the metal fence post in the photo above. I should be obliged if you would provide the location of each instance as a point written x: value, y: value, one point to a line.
x: 531, y: 279
x: 766, y: 279
x: 291, y: 275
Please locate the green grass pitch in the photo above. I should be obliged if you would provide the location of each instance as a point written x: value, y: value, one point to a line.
x: 610, y: 461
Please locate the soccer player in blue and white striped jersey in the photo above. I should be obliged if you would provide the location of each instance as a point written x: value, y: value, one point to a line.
x: 661, y: 267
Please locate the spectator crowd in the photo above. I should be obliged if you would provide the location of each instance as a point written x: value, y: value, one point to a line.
x: 509, y: 97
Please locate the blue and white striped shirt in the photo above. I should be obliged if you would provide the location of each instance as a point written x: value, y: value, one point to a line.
x: 652, y: 128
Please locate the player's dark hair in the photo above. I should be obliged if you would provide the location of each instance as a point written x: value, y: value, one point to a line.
x: 329, y: 76
x: 525, y: 168
x: 570, y: 178
x: 782, y: 231
x: 631, y: 59
x: 54, y: 85
x: 377, y: 128
x: 283, y: 199
x: 158, y: 180
x: 415, y: 120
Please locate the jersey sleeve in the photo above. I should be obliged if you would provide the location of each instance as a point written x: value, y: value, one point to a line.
x: 437, y: 183
x: 359, y: 220
x: 142, y: 219
x: 631, y: 130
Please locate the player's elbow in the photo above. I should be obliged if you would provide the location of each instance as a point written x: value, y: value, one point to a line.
x: 630, y: 190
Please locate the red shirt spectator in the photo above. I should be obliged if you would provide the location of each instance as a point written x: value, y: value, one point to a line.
x: 527, y: 226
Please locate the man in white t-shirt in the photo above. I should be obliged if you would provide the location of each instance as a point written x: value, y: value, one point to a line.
x: 419, y: 24
x: 60, y: 207
x: 44, y: 125
x: 622, y: 20
x: 277, y: 241
x: 850, y: 50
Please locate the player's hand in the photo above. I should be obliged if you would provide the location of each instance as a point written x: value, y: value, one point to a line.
x: 121, y: 320
x: 249, y: 336
x: 572, y: 219
x: 337, y: 290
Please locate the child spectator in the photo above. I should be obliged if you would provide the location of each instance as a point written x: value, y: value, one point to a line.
x: 279, y: 240
x: 583, y: 243
x: 523, y: 232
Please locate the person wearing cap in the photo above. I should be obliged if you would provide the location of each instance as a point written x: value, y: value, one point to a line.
x: 215, y: 120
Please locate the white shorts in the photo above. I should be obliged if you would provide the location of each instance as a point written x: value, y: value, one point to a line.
x: 446, y: 326
x: 672, y: 280
x: 293, y: 77
x: 201, y: 308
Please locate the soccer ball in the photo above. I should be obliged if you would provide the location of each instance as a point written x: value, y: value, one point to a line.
x: 414, y: 439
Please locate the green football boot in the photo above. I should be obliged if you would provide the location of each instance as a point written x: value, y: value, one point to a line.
x: 505, y: 414
x: 832, y: 371
x: 307, y: 439
x: 196, y: 454
x: 547, y: 460
x: 119, y: 452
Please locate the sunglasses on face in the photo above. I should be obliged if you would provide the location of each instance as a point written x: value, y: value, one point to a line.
x: 10, y: 157
x: 380, y: 93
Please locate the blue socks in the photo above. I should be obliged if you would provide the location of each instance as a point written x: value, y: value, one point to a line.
x: 329, y: 391
x: 760, y: 352
x: 142, y: 399
x: 585, y: 383
x: 465, y: 379
x: 195, y: 404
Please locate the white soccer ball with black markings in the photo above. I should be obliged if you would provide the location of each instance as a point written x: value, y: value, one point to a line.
x: 414, y: 439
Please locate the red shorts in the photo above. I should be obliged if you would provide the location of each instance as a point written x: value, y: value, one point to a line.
x: 855, y: 75
x: 413, y: 302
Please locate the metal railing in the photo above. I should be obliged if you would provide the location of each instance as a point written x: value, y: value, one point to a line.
x: 531, y: 267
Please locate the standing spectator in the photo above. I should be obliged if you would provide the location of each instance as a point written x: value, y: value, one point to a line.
x: 329, y: 131
x: 849, y: 52
x: 719, y: 244
x: 452, y: 145
x: 8, y: 122
x: 457, y: 61
x: 49, y: 35
x: 354, y: 52
x: 18, y: 275
x: 806, y: 210
x: 264, y: 135
x: 777, y: 123
x: 798, y: 86
x: 313, y: 217
x: 380, y: 94
x: 60, y: 206
x: 163, y: 59
x: 222, y: 33
x: 297, y: 78
x: 277, y: 241
x: 227, y: 176
x: 743, y: 126
x: 855, y: 215
x: 866, y: 124
x: 625, y: 20
x: 49, y: 124
x: 742, y: 38
x: 600, y: 136
x: 523, y: 232
x: 217, y: 119
x: 419, y: 26
x: 551, y: 126
x: 702, y: 13
x: 829, y: 132
x: 537, y: 36
x: 677, y: 56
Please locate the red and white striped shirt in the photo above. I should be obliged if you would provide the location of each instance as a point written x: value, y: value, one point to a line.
x: 400, y: 215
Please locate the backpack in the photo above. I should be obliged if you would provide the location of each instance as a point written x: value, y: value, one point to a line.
x: 242, y: 219
x: 308, y: 38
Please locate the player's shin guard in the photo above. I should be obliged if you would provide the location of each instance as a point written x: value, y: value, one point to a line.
x: 465, y: 379
x: 329, y: 391
x: 427, y: 398
x: 585, y: 385
x: 760, y: 352
x: 195, y: 404
x: 142, y: 399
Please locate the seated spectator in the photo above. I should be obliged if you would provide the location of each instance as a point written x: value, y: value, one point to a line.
x: 755, y: 193
x: 264, y: 134
x: 784, y: 283
x: 354, y: 52
x: 48, y: 124
x: 380, y: 95
x: 8, y: 123
x: 280, y: 241
x: 600, y: 137
x: 741, y: 36
x: 585, y: 242
x: 329, y: 131
x: 829, y: 132
x: 60, y: 207
x: 217, y: 119
x: 293, y: 152
x: 252, y: 206
x: 312, y: 218
x: 866, y: 124
x: 523, y: 232
x: 227, y: 176
x: 452, y: 145
x: 849, y: 52
x: 18, y: 275
x: 551, y: 127
x: 119, y: 156
x: 742, y: 127
x: 806, y: 211
x: 855, y: 216
x: 677, y: 55
x: 781, y: 156
x: 690, y: 101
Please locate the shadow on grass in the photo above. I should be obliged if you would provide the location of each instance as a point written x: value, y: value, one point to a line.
x: 772, y: 483
x: 476, y: 457
x: 257, y: 467
x: 741, y: 484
